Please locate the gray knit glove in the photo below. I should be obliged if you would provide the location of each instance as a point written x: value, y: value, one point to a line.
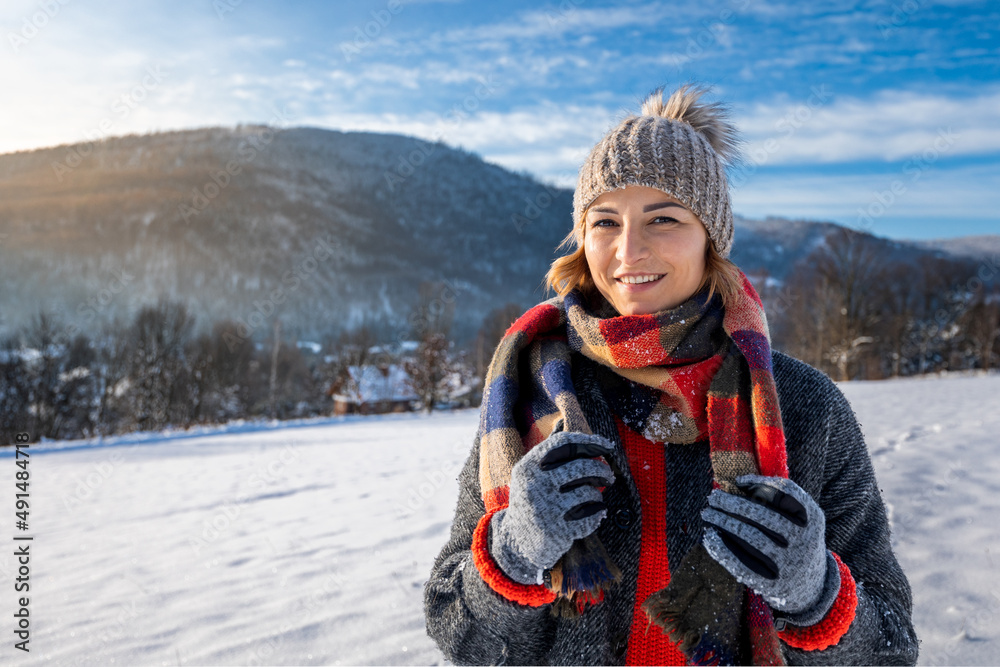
x: 774, y: 542
x: 553, y: 501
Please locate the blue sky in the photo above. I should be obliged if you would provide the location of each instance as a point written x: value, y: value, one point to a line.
x: 878, y: 115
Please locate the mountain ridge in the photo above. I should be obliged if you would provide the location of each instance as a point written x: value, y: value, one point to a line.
x: 245, y: 220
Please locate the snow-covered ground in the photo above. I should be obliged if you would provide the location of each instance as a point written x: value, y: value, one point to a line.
x: 309, y: 542
x: 935, y: 444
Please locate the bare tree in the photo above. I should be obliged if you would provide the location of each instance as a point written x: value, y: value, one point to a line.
x: 812, y: 321
x: 157, y: 391
x: 273, y: 379
x: 296, y: 393
x: 43, y: 366
x: 58, y: 380
x: 434, y: 312
x: 354, y: 347
x: 430, y: 370
x: 853, y: 267
x: 832, y: 325
x: 898, y: 299
x: 14, y: 393
x: 982, y: 325
x: 224, y: 374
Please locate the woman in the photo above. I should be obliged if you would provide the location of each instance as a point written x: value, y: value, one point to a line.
x: 651, y: 483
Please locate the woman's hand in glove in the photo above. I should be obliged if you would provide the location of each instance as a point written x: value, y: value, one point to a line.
x: 773, y: 541
x: 553, y: 501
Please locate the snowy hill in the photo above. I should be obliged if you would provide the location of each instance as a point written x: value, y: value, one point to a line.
x: 346, y: 225
x: 774, y: 245
x: 309, y: 542
x: 984, y: 246
x: 323, y: 228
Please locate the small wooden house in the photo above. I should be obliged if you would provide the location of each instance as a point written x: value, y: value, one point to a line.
x: 372, y: 390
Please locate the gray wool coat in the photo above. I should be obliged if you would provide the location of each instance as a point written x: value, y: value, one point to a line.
x: 827, y: 456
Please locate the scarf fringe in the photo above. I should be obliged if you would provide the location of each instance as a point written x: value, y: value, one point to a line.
x: 581, y: 576
x: 700, y: 609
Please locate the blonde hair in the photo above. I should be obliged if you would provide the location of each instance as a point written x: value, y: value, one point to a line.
x: 572, y: 270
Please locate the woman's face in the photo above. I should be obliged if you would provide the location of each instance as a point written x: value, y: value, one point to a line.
x: 645, y: 250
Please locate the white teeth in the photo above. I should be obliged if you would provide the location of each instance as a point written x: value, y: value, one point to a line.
x: 636, y: 280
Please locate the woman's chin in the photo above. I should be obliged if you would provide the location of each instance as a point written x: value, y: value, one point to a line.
x: 648, y: 304
x: 640, y: 307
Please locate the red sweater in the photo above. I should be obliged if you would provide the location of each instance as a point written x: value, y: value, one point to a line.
x: 647, y: 644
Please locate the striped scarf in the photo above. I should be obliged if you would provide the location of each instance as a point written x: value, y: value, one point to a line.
x: 697, y: 371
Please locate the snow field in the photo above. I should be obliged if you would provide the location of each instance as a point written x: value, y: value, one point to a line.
x: 309, y: 542
x: 303, y: 545
x: 935, y: 444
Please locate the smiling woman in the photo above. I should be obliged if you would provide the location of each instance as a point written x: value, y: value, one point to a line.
x: 651, y: 484
x: 646, y: 250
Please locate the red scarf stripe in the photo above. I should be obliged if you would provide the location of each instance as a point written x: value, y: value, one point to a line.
x: 729, y: 424
x: 496, y: 499
x: 764, y: 395
x: 771, y: 453
x: 633, y: 342
x: 617, y: 330
x: 748, y: 288
x: 648, y: 645
x: 692, y: 383
x: 634, y: 351
x: 542, y: 317
x: 692, y: 380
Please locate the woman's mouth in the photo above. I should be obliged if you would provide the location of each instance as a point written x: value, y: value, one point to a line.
x: 639, y: 283
x: 636, y: 280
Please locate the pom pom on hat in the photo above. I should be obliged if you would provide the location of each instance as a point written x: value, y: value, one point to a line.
x: 709, y: 120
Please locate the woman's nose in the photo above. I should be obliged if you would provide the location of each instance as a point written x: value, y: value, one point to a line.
x: 632, y: 245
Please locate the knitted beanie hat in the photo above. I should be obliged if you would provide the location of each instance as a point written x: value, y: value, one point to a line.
x: 680, y: 146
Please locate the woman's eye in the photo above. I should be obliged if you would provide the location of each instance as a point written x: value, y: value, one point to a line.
x: 605, y: 222
x: 665, y: 219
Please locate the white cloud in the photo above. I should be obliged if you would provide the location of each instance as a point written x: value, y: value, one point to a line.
x: 551, y: 139
x: 548, y: 140
x: 566, y: 17
x: 892, y: 125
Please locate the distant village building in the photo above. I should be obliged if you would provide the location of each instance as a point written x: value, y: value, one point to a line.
x: 372, y: 390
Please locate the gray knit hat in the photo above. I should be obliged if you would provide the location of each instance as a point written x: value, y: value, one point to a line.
x: 680, y: 146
